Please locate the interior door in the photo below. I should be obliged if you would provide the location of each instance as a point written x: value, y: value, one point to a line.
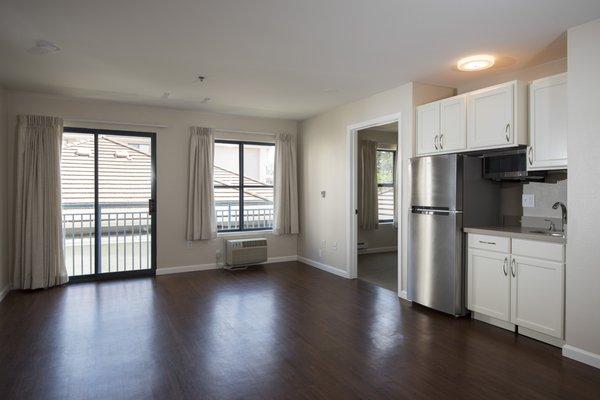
x: 538, y: 295
x: 108, y: 192
x: 434, y: 260
x: 428, y: 128
x: 490, y: 117
x: 489, y: 283
x: 453, y: 124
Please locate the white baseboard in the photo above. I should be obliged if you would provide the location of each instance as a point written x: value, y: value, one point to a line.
x: 4, y: 291
x: 206, y: 267
x: 403, y: 295
x: 493, y: 321
x: 584, y: 356
x: 327, y: 268
x: 371, y: 250
x: 541, y: 337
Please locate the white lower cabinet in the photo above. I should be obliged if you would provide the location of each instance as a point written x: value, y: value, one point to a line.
x: 525, y: 289
x: 489, y: 284
x: 537, y: 295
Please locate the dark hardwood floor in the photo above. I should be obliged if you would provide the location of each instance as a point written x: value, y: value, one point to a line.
x: 274, y: 332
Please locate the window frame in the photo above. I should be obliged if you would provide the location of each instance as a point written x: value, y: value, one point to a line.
x: 241, y: 186
x: 392, y: 185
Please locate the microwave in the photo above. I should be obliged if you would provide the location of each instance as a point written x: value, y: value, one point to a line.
x: 509, y: 165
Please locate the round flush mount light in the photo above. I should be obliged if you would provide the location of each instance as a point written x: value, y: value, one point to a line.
x: 43, y: 47
x: 475, y: 63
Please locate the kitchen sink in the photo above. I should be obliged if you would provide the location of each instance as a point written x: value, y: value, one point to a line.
x: 549, y: 233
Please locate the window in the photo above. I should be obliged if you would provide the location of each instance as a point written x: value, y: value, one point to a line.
x: 243, y: 175
x: 386, y: 160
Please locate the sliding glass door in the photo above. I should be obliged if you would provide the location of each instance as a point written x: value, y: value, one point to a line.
x: 108, y: 192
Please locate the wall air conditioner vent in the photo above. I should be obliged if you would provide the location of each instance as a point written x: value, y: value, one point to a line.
x: 245, y: 252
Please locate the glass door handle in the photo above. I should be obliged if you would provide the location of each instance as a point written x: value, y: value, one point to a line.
x: 151, y: 206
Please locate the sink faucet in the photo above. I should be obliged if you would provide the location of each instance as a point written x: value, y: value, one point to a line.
x: 563, y: 210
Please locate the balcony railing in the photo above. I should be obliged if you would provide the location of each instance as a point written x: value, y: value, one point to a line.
x: 125, y: 240
x: 255, y: 216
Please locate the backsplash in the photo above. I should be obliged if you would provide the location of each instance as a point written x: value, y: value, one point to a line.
x: 546, y: 194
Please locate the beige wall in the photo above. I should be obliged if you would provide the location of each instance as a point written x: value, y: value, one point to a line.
x: 387, y: 234
x: 172, y: 148
x: 583, y: 270
x: 4, y: 193
x: 324, y: 161
x: 526, y: 75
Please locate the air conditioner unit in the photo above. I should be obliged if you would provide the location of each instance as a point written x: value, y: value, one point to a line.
x: 245, y: 252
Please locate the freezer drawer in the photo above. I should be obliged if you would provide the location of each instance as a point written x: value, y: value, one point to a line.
x: 435, y: 265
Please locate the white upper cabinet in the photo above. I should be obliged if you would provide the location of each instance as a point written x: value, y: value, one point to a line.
x: 441, y: 126
x: 453, y: 121
x: 496, y: 116
x: 428, y: 128
x: 548, y: 123
x: 488, y: 118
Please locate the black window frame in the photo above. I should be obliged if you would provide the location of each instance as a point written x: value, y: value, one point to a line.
x: 387, y: 184
x: 241, y: 186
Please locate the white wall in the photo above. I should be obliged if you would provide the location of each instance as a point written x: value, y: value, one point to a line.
x: 172, y: 156
x: 583, y: 270
x: 526, y: 74
x: 4, y: 193
x: 324, y: 162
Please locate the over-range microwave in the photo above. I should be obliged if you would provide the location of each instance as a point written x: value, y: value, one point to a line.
x: 509, y: 165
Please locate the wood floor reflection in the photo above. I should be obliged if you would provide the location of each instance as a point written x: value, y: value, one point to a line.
x: 281, y: 331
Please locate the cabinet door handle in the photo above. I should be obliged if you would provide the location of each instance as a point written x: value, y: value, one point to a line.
x: 513, y: 268
x: 530, y: 156
x: 484, y: 242
x: 435, y: 138
x: 505, y: 266
x: 442, y: 142
x: 507, y: 132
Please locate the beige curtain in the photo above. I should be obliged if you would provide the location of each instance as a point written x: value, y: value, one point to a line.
x: 368, y: 216
x: 38, y: 259
x: 201, y: 217
x: 286, y: 186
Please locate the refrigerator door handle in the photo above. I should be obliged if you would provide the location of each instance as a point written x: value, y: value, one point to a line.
x: 429, y: 211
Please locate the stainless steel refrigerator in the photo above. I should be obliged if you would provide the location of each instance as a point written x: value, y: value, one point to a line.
x: 448, y: 192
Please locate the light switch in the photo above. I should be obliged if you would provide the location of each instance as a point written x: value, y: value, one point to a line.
x: 528, y: 200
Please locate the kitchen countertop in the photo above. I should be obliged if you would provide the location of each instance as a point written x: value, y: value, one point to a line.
x: 520, y: 232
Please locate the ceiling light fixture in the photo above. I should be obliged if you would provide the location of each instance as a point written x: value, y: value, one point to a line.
x: 43, y: 47
x: 475, y: 63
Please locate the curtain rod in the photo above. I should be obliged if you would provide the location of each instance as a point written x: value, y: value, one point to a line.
x: 244, y: 132
x: 93, y: 121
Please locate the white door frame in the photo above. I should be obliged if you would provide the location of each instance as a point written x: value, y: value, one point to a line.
x: 352, y: 196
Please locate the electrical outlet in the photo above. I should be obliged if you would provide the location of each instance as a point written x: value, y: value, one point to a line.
x: 334, y: 246
x: 189, y: 244
x: 528, y: 200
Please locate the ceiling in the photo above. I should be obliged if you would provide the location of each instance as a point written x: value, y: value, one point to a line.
x: 275, y: 58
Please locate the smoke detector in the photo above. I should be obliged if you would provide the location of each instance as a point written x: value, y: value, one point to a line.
x: 43, y: 47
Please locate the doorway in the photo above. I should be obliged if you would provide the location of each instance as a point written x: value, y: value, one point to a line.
x: 373, y: 244
x: 377, y: 231
x: 108, y: 203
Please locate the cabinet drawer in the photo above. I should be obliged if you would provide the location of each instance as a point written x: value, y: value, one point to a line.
x: 539, y: 249
x: 488, y: 242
